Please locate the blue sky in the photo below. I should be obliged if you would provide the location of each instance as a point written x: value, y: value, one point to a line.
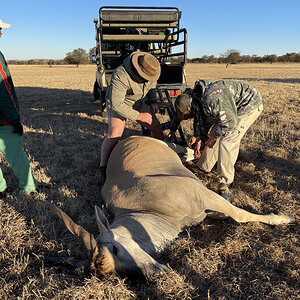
x: 50, y: 29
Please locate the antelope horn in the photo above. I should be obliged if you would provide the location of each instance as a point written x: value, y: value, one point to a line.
x: 87, y: 238
x: 67, y: 261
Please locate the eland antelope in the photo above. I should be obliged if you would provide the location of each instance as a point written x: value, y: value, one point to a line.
x: 152, y: 197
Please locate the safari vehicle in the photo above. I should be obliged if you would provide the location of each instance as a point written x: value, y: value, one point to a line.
x: 122, y: 30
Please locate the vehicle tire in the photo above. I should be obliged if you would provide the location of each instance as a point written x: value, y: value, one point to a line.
x: 102, y: 101
x: 96, y: 91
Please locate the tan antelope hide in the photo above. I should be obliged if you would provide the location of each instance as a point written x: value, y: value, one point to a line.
x: 152, y: 197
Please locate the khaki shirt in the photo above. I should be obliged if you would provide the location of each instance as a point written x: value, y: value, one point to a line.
x: 125, y: 89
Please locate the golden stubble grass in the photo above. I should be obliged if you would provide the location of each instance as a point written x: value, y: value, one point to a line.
x: 214, y: 260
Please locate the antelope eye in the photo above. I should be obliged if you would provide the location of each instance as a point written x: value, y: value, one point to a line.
x: 115, y: 250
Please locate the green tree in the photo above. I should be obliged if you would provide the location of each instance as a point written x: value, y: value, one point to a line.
x: 32, y: 62
x: 77, y: 57
x: 91, y: 53
x: 194, y: 60
x: 270, y: 58
x: 232, y: 56
x: 51, y: 62
x: 211, y: 59
x: 204, y: 59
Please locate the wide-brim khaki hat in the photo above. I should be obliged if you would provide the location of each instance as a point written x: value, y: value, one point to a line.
x: 146, y: 65
x: 4, y: 25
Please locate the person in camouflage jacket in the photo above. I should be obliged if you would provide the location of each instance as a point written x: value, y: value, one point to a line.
x: 11, y: 130
x: 222, y: 111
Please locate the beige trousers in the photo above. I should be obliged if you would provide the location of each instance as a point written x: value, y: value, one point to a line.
x: 226, y: 149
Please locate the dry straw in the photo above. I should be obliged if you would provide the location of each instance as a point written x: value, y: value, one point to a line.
x: 214, y: 260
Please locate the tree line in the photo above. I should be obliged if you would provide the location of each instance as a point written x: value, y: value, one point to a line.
x: 233, y: 56
x: 80, y: 56
x: 76, y: 57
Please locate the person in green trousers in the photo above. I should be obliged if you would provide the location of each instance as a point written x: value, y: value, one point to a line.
x: 11, y: 130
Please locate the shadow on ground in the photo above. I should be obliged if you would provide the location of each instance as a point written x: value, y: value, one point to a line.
x: 284, y: 169
x: 278, y: 80
x: 64, y: 131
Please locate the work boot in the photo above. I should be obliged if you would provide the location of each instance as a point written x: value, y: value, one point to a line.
x: 5, y: 192
x: 41, y: 187
x: 224, y: 192
x: 102, y: 175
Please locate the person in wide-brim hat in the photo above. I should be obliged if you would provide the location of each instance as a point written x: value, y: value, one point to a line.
x: 132, y: 84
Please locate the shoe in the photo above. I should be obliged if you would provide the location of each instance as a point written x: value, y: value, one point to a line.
x: 5, y: 192
x: 42, y: 187
x: 102, y: 175
x: 224, y: 192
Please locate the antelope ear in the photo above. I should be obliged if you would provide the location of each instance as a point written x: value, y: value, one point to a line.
x: 102, y: 222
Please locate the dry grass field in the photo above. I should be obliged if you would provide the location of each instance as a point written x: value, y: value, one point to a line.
x: 218, y: 259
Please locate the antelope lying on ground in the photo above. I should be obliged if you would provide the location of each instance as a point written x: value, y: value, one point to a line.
x: 152, y: 197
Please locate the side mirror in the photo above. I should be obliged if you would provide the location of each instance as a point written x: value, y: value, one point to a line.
x: 94, y: 58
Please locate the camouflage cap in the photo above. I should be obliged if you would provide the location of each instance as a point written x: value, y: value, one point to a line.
x: 182, y: 103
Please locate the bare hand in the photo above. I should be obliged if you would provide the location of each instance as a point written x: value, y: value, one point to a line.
x: 211, y: 141
x: 197, y: 148
x: 145, y: 118
x: 155, y: 108
x: 192, y: 140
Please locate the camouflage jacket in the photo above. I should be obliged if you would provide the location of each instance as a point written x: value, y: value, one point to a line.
x: 220, y: 105
x: 224, y: 100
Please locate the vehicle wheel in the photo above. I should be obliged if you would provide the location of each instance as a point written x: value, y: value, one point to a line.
x: 96, y: 91
x: 102, y: 101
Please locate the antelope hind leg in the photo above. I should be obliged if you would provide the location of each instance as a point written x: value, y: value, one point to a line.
x: 216, y: 203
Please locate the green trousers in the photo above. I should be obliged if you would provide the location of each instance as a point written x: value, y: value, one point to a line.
x: 11, y: 146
